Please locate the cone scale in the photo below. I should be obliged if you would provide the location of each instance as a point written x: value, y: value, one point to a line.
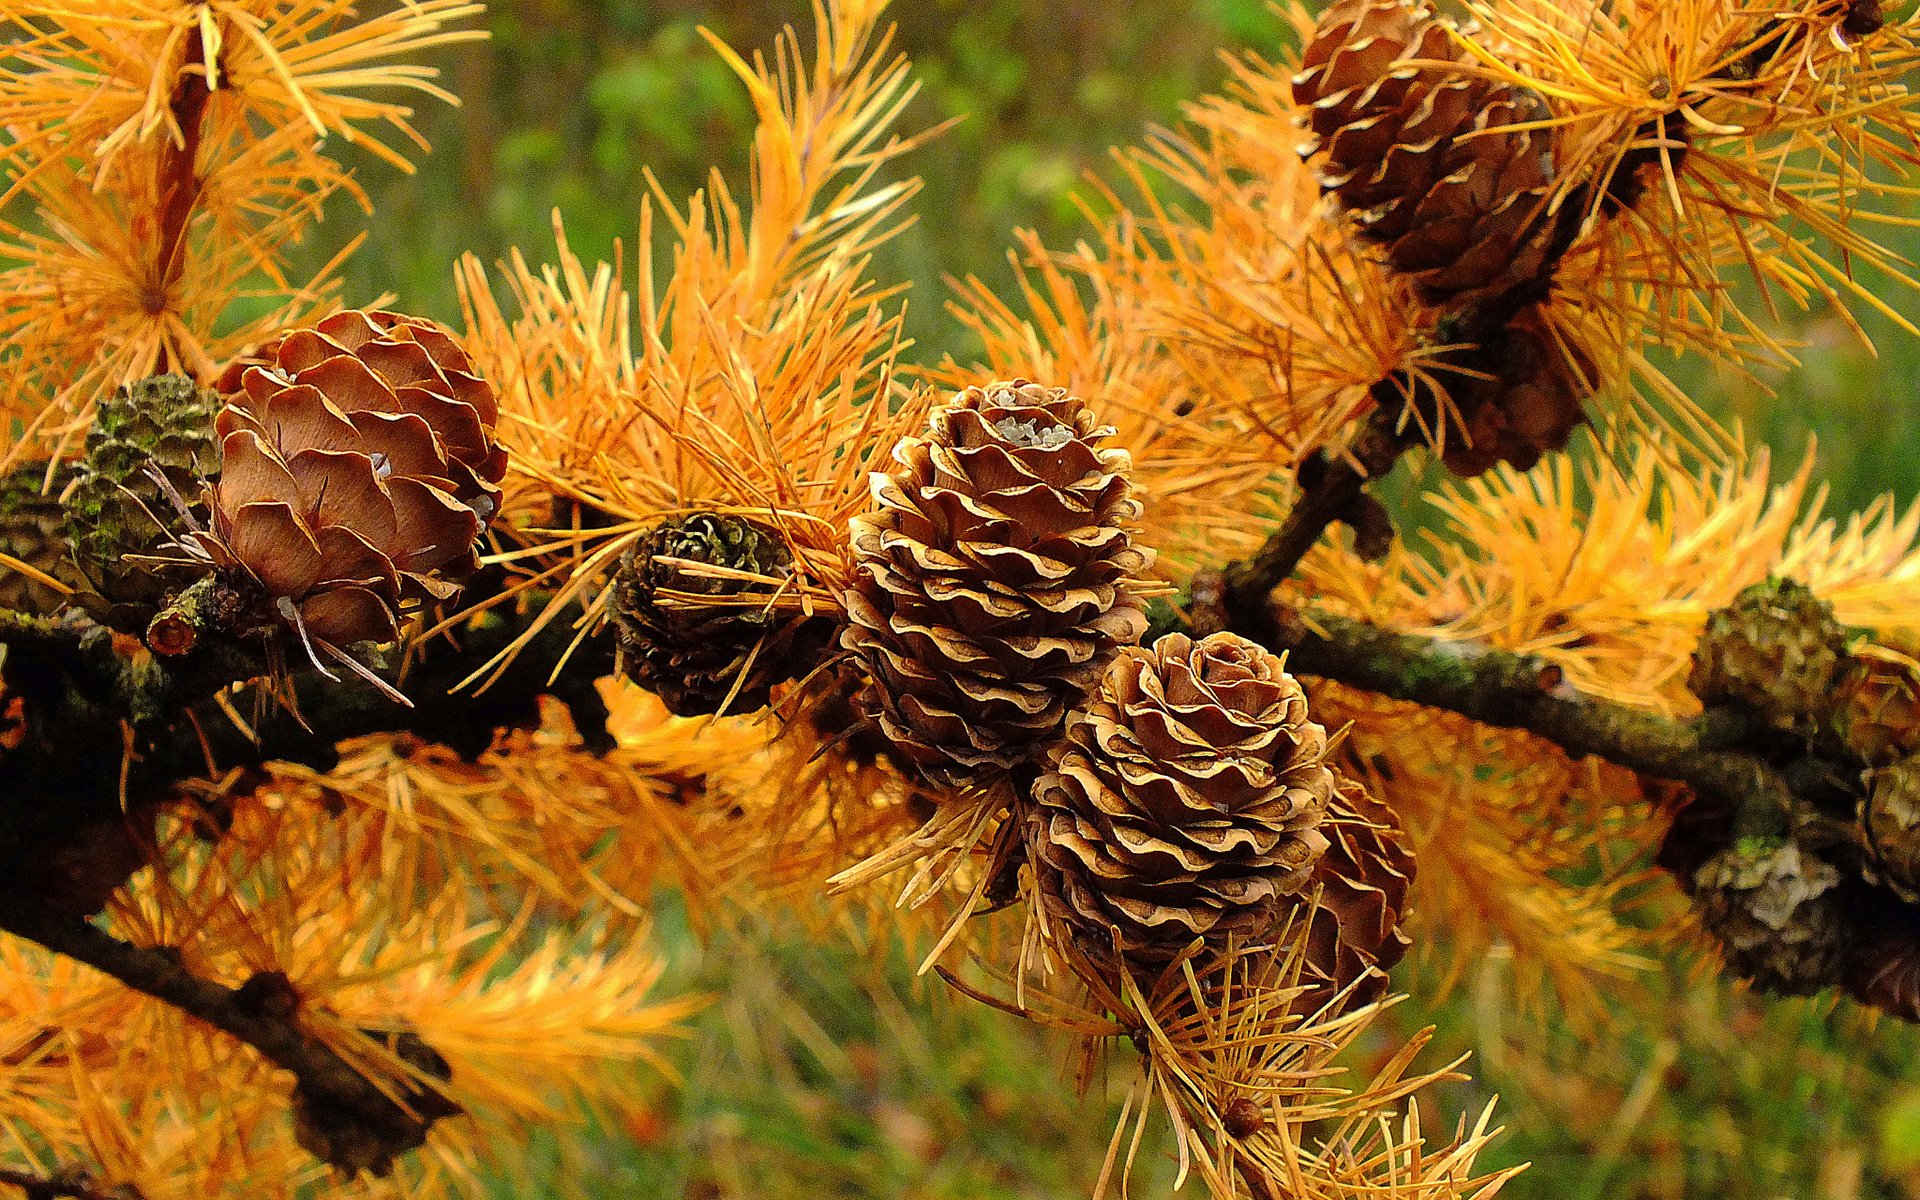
x: 1185, y: 802
x: 358, y: 469
x: 993, y: 576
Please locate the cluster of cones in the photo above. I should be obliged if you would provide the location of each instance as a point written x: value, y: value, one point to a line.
x: 1169, y: 801
x: 328, y: 483
x: 296, y: 510
x: 1827, y: 893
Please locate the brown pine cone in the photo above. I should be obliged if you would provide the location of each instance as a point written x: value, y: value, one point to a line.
x: 1363, y: 879
x: 1890, y: 814
x: 1776, y: 650
x: 33, y: 531
x: 1431, y: 161
x: 1183, y: 803
x: 1879, y: 709
x: 992, y: 579
x: 1523, y: 398
x: 357, y: 471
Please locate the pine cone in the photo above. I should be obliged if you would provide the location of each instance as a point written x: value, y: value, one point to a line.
x: 1457, y: 213
x: 357, y: 470
x: 1777, y: 914
x: 1879, y: 710
x: 1776, y: 650
x: 116, y: 508
x: 1864, y: 18
x: 1890, y: 813
x: 1363, y: 879
x: 692, y: 657
x: 33, y: 530
x: 1520, y: 398
x: 1184, y: 801
x: 992, y: 585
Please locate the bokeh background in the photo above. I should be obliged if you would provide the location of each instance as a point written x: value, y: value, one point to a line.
x: 825, y: 1069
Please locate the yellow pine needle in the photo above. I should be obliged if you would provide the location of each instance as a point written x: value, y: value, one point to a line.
x: 1226, y: 337
x: 529, y: 1022
x: 124, y: 236
x: 34, y: 573
x: 1498, y: 820
x: 304, y: 60
x: 1608, y: 570
x: 760, y: 379
x: 1780, y: 125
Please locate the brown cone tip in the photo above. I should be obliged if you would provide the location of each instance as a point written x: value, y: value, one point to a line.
x: 1777, y: 651
x: 1355, y: 937
x: 1440, y: 165
x: 1879, y: 710
x: 1890, y: 816
x: 1522, y: 396
x: 1185, y: 801
x: 1777, y: 913
x: 358, y: 469
x: 992, y: 579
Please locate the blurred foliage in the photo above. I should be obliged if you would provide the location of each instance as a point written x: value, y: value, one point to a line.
x: 828, y: 1070
x: 823, y: 1072
x: 573, y: 101
x: 1692, y: 1087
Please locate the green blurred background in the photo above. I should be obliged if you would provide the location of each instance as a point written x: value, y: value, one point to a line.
x: 823, y: 1071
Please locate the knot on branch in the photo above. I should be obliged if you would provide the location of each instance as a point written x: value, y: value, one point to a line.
x: 340, y: 1113
x: 1332, y: 491
x: 355, y: 1129
x: 210, y: 607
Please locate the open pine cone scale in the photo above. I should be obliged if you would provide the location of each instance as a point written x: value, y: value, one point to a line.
x: 993, y: 578
x: 358, y: 471
x: 1183, y: 802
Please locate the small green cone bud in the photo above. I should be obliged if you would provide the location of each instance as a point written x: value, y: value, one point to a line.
x: 1776, y: 912
x: 33, y: 530
x: 1891, y: 814
x: 691, y: 656
x: 163, y: 423
x: 1776, y: 650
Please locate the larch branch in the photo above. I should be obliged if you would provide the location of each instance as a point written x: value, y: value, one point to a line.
x: 1332, y: 491
x: 1514, y: 691
x: 263, y: 1013
x: 59, y: 1186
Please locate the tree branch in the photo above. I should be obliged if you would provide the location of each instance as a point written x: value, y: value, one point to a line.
x: 363, y: 1127
x: 1512, y: 691
x: 62, y: 1185
x: 1331, y: 491
x: 102, y: 732
x: 1748, y: 781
